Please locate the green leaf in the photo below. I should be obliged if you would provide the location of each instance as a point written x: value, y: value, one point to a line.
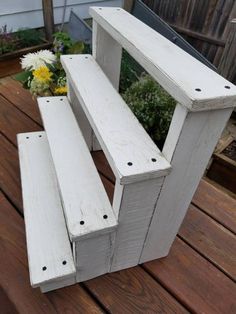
x: 22, y: 76
x: 76, y: 48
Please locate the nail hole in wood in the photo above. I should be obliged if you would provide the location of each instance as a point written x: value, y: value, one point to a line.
x: 227, y: 87
x: 198, y: 89
x: 105, y: 216
x: 100, y: 8
x: 82, y: 222
x: 129, y: 163
x: 70, y: 57
x: 86, y: 57
x: 44, y: 268
x: 40, y: 135
x: 64, y: 263
x: 154, y: 160
x: 27, y: 137
x: 48, y: 100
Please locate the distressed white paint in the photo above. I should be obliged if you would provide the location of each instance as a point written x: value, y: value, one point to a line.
x: 177, y: 71
x: 107, y: 52
x: 121, y: 136
x: 57, y: 284
x: 47, y: 239
x: 135, y: 204
x: 27, y: 13
x: 80, y: 117
x: 93, y: 256
x: 189, y: 154
x: 83, y: 194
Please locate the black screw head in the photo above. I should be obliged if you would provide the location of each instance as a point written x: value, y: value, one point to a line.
x: 64, y: 262
x: 198, y: 89
x: 81, y: 222
x: 129, y: 163
x: 105, y: 216
x: 227, y: 87
x: 154, y: 160
x: 44, y: 268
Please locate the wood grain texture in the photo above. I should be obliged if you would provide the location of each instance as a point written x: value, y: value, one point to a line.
x: 80, y: 116
x: 208, y: 18
x: 20, y: 98
x: 13, y: 121
x: 210, y: 239
x: 128, y: 148
x: 48, y: 246
x: 9, y: 67
x: 10, y: 172
x: 194, y: 281
x: 107, y: 52
x: 227, y: 66
x: 198, y: 136
x: 133, y: 291
x: 73, y: 300
x: 134, y: 205
x: 83, y: 194
x: 7, y: 307
x: 93, y: 256
x: 217, y: 204
x: 14, y: 275
x: 161, y: 58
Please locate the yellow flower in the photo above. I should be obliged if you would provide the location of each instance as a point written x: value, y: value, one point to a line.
x: 60, y: 90
x: 42, y: 74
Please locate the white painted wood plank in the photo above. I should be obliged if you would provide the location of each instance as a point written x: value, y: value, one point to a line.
x: 130, y: 151
x: 47, y: 239
x: 58, y: 284
x: 80, y: 116
x: 188, y: 80
x: 107, y: 52
x: 189, y: 154
x: 93, y: 256
x: 135, y: 210
x: 84, y: 198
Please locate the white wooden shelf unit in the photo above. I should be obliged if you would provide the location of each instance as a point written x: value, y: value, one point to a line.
x: 153, y: 189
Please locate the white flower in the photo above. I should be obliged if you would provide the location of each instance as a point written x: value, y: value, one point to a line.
x: 35, y: 60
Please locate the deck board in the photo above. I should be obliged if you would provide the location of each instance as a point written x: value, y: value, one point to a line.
x: 211, y: 239
x: 216, y: 204
x: 196, y: 276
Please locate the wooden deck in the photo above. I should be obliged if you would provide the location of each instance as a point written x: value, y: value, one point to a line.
x: 198, y: 276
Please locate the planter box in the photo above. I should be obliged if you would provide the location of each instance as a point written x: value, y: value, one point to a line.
x: 223, y: 168
x: 23, y: 51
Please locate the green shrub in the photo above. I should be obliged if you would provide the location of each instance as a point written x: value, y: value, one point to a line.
x: 29, y: 37
x: 130, y: 71
x: 152, y: 106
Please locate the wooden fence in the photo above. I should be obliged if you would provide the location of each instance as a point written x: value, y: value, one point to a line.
x: 204, y: 23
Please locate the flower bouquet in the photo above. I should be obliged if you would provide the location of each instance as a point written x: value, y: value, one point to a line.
x: 42, y: 72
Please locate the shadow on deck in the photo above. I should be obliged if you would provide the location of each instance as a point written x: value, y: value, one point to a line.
x: 198, y: 275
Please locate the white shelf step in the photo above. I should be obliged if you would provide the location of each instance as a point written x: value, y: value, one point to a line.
x: 86, y: 205
x: 188, y: 80
x: 130, y: 151
x: 49, y: 251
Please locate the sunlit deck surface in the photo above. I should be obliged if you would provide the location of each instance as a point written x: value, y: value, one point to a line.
x: 198, y: 275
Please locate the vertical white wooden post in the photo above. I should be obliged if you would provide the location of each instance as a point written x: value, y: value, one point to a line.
x: 191, y: 140
x: 107, y: 52
x: 80, y: 116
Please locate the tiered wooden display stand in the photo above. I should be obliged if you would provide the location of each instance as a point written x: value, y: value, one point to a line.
x: 73, y: 233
